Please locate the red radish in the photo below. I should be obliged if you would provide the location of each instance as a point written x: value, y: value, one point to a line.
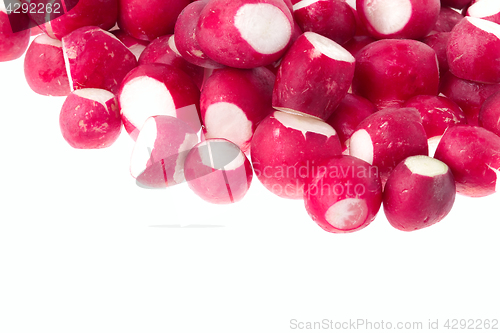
x: 387, y: 137
x: 448, y: 18
x: 185, y: 36
x: 150, y: 19
x: 218, y: 171
x: 350, y: 112
x: 160, y: 151
x: 485, y: 9
x: 163, y: 50
x: 458, y: 4
x: 344, y: 195
x: 473, y: 155
x: 82, y: 13
x: 90, y: 119
x: 314, y: 76
x: 13, y: 39
x: 489, y: 115
x: 244, y: 33
x: 411, y: 19
x: 355, y: 44
x: 420, y: 192
x: 390, y: 71
x: 285, y: 148
x: 233, y: 102
x: 467, y: 94
x: 95, y: 58
x: 333, y: 19
x: 439, y: 42
x: 136, y: 46
x: 158, y: 89
x: 437, y: 113
x: 44, y: 67
x: 360, y: 27
x: 474, y: 50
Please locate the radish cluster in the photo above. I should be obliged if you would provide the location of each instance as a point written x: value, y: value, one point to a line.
x: 351, y: 106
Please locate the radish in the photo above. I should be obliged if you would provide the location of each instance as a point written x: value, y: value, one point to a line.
x: 344, y: 195
x: 159, y: 153
x: 285, y: 148
x: 150, y: 19
x: 390, y: 71
x: 458, y: 4
x: 44, y: 67
x: 136, y: 46
x: 439, y: 42
x: 411, y: 19
x: 158, y: 89
x: 437, y: 113
x: 314, y: 76
x: 218, y: 171
x: 233, y: 102
x: 468, y: 95
x: 387, y: 137
x: 489, y: 115
x: 90, y: 118
x: 244, y: 33
x: 163, y: 50
x: 350, y: 112
x: 14, y: 33
x: 95, y: 58
x: 474, y: 50
x: 485, y: 9
x: 420, y: 192
x: 448, y: 18
x: 360, y: 27
x: 185, y: 36
x: 473, y: 155
x: 333, y: 19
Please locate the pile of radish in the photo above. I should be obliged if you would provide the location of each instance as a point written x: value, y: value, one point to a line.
x: 352, y: 106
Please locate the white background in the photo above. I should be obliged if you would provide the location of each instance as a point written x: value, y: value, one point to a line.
x: 83, y: 249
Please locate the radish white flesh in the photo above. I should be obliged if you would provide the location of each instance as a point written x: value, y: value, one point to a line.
x: 419, y: 193
x: 344, y: 195
x: 485, y: 9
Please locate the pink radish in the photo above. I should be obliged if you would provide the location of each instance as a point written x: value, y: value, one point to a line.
x: 233, y: 102
x: 344, y: 195
x: 437, y: 113
x: 485, y: 9
x: 314, y: 76
x: 439, y: 42
x: 420, y: 192
x: 468, y: 95
x: 350, y: 112
x: 448, y: 18
x: 387, y: 137
x: 244, y: 33
x: 95, y: 58
x: 218, y: 171
x: 473, y: 155
x: 90, y: 118
x: 158, y: 89
x: 333, y: 19
x: 474, y: 50
x: 150, y: 19
x: 44, y: 67
x: 163, y: 50
x: 285, y: 148
x: 159, y: 153
x: 489, y: 115
x: 390, y: 71
x: 14, y: 40
x: 412, y: 19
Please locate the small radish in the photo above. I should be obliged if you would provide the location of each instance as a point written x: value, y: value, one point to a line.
x: 344, y: 195
x: 159, y: 153
x: 244, y: 33
x: 314, y: 76
x: 44, y: 67
x: 390, y: 71
x: 233, y: 102
x: 218, y: 171
x: 90, y: 118
x: 489, y: 115
x: 14, y: 40
x: 420, y: 192
x: 473, y: 155
x: 285, y: 148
